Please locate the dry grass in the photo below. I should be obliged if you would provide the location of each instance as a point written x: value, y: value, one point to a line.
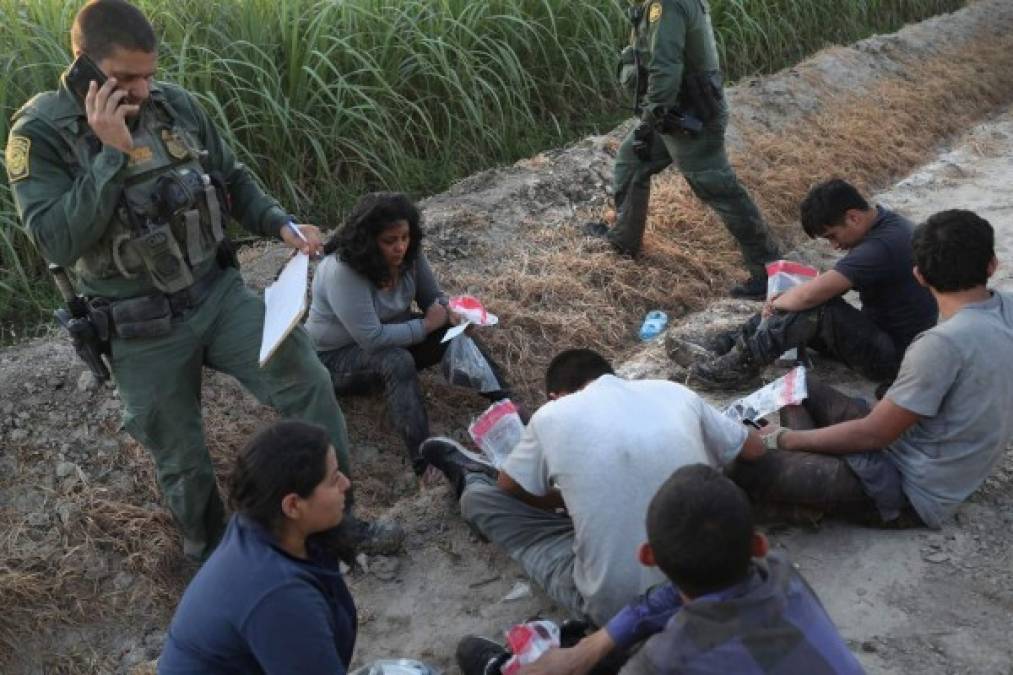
x: 562, y: 291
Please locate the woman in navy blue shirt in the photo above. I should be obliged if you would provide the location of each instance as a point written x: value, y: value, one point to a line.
x: 268, y: 600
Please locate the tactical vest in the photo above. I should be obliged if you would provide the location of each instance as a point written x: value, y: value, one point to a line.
x: 700, y: 53
x: 168, y: 221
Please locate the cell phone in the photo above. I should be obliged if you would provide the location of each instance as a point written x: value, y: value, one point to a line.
x: 82, y: 72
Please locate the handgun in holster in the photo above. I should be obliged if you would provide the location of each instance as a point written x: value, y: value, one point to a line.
x: 88, y: 327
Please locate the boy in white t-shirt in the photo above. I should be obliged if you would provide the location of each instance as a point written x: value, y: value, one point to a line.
x: 599, y: 449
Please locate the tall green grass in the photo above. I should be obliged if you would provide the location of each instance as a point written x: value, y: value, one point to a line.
x: 328, y: 98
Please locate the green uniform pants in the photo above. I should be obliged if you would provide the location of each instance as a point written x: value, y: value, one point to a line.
x: 702, y: 161
x: 159, y: 381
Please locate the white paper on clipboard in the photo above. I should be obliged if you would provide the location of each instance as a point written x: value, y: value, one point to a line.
x: 284, y: 305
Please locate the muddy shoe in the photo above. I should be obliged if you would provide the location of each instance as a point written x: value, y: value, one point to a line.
x: 754, y: 288
x: 447, y: 456
x: 731, y: 371
x: 686, y: 353
x: 480, y: 656
x: 354, y: 536
x: 720, y: 343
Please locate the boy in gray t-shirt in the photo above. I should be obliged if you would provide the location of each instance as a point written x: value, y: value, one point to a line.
x: 942, y: 426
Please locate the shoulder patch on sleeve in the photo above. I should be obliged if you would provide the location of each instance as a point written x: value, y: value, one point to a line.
x: 16, y: 157
x: 654, y: 12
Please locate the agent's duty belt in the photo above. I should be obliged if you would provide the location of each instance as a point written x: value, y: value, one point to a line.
x: 149, y: 316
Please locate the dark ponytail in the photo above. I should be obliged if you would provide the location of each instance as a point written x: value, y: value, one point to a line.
x: 287, y: 457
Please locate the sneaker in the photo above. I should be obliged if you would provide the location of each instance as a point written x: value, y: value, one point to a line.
x: 447, y: 455
x: 354, y: 536
x: 732, y: 371
x: 480, y: 656
x: 754, y: 288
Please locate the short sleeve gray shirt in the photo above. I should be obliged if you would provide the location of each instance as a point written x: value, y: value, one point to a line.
x: 958, y: 378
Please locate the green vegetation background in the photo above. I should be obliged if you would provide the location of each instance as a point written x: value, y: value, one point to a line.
x: 328, y: 98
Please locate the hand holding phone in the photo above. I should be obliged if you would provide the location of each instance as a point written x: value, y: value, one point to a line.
x: 103, y: 103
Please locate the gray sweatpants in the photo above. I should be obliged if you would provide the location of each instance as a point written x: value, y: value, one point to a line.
x: 539, y: 541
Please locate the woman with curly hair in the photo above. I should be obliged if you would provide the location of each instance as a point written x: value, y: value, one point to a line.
x: 361, y: 317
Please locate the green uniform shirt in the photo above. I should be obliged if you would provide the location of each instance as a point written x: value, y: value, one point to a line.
x: 69, y: 201
x: 674, y: 38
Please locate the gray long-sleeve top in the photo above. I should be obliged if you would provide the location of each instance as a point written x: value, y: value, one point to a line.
x: 347, y: 307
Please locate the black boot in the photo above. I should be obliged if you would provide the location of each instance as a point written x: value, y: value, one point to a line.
x: 354, y: 536
x: 754, y: 288
x: 445, y: 454
x: 480, y: 656
x: 733, y: 370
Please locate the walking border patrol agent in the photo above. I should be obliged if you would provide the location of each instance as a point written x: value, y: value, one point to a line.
x: 671, y: 67
x: 131, y: 187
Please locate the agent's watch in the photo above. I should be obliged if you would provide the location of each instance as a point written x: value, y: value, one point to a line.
x: 773, y: 441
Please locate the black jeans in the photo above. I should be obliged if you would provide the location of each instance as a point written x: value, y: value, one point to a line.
x: 394, y: 370
x: 861, y: 487
x: 834, y: 328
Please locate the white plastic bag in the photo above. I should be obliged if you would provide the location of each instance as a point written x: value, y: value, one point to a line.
x: 788, y: 390
x: 464, y: 365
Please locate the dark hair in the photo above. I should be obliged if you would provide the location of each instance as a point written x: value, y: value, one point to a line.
x: 287, y: 457
x: 700, y: 526
x: 952, y: 250
x: 826, y: 204
x: 572, y: 369
x: 355, y: 243
x: 103, y: 25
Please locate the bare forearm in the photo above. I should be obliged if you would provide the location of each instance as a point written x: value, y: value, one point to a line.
x: 839, y: 439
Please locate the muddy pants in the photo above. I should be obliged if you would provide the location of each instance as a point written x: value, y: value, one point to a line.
x: 862, y: 487
x: 703, y: 163
x: 835, y: 328
x: 539, y: 541
x: 159, y: 381
x: 394, y: 370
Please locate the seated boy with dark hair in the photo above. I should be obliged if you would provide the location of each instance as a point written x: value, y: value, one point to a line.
x: 944, y: 423
x: 730, y: 608
x: 870, y: 340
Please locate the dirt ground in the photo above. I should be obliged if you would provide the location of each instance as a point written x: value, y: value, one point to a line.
x: 90, y: 567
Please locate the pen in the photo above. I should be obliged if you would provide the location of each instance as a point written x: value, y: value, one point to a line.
x: 295, y: 228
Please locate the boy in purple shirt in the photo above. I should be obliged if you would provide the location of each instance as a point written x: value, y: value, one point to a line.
x: 730, y: 608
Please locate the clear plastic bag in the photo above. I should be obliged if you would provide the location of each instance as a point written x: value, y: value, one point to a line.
x: 396, y: 667
x: 527, y: 642
x: 496, y: 432
x: 783, y: 274
x: 464, y: 366
x: 788, y: 390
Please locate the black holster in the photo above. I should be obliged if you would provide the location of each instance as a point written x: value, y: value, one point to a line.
x: 89, y: 333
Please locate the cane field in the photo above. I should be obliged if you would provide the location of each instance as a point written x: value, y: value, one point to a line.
x: 326, y: 99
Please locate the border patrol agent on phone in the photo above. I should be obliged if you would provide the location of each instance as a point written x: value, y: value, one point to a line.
x: 132, y: 187
x: 671, y: 68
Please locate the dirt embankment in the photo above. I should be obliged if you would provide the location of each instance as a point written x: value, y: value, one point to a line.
x: 90, y: 567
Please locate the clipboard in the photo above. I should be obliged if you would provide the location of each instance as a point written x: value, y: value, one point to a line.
x: 284, y: 305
